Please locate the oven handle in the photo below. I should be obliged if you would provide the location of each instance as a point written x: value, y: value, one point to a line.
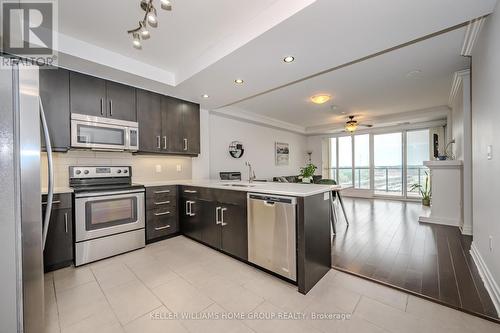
x: 104, y: 194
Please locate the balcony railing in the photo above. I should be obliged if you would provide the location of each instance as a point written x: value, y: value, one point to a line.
x: 388, y: 179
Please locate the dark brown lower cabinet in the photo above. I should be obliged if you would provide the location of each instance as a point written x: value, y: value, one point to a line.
x: 161, y: 213
x: 217, y: 218
x: 58, y: 252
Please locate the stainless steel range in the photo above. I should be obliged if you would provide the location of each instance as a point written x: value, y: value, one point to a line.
x: 109, y: 212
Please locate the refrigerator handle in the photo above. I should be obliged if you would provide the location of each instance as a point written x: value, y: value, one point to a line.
x: 50, y: 194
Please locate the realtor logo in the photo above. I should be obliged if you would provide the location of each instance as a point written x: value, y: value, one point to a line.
x: 28, y: 30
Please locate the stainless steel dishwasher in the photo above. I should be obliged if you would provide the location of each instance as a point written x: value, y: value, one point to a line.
x: 271, y: 233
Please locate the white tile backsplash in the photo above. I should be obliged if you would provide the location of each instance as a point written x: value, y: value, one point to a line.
x: 144, y: 167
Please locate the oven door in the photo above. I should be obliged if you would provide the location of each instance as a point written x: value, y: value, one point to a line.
x: 95, y: 135
x: 103, y: 214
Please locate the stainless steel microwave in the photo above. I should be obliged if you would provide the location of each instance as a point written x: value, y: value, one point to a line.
x: 103, y: 133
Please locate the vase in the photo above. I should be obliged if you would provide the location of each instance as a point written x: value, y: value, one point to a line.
x: 306, y: 179
x: 426, y: 202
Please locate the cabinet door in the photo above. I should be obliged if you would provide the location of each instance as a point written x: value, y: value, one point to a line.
x: 210, y: 233
x: 54, y: 92
x: 87, y: 95
x: 120, y: 101
x: 234, y: 234
x: 172, y: 124
x: 191, y: 222
x: 58, y: 251
x: 191, y: 128
x: 149, y: 116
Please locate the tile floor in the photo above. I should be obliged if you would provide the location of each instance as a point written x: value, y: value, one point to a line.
x: 143, y: 290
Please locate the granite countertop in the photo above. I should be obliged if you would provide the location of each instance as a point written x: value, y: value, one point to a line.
x: 292, y: 189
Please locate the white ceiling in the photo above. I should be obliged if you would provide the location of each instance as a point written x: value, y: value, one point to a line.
x: 202, y: 46
x: 372, y: 88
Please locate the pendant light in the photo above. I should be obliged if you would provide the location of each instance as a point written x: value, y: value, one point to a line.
x: 150, y: 19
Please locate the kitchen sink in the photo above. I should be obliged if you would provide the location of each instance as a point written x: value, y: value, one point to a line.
x: 238, y: 185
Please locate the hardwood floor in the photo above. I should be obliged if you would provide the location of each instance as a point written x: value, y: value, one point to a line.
x: 386, y: 243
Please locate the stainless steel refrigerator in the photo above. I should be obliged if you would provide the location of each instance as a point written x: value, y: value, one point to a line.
x: 21, y: 232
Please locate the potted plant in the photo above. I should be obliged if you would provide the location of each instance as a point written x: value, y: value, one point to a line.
x: 425, y: 190
x: 307, y: 173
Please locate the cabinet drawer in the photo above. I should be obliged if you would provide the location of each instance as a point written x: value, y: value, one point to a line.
x: 162, y: 202
x: 162, y: 210
x: 159, y: 192
x: 161, y: 226
x: 59, y: 201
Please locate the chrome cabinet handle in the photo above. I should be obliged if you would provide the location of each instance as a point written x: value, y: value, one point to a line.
x: 190, y: 191
x: 185, y: 144
x: 158, y: 142
x: 111, y: 107
x: 217, y: 211
x: 162, y: 191
x: 222, y: 217
x: 66, y: 222
x: 187, y: 208
x: 191, y: 208
x: 162, y: 203
x: 53, y: 202
x: 165, y: 143
x: 102, y: 106
x: 162, y: 228
x: 162, y: 213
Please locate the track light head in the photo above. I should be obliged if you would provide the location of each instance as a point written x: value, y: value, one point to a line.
x: 166, y: 5
x: 152, y: 18
x: 136, y: 42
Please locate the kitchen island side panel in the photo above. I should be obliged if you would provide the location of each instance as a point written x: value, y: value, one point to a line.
x: 313, y: 241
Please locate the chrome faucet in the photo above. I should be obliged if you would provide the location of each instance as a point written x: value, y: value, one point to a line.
x: 251, y: 173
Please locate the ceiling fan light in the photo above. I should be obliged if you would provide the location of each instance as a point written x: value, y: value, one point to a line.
x: 166, y: 5
x: 351, y: 126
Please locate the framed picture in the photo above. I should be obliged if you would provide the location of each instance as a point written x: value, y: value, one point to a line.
x: 282, y: 153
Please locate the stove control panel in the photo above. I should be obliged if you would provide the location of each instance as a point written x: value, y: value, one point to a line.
x: 99, y: 171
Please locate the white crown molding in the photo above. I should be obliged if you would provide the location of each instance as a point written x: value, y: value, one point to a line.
x: 471, y: 34
x: 488, y: 279
x: 455, y: 85
x: 239, y: 114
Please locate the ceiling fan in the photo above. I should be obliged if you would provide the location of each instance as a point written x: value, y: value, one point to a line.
x: 352, y: 125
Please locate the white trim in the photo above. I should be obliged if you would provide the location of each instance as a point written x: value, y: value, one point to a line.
x: 457, y: 81
x: 466, y: 230
x: 238, y: 114
x: 471, y: 34
x: 440, y: 220
x: 488, y: 280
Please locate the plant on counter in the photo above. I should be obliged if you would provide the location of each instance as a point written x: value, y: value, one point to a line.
x: 425, y: 190
x: 307, y: 173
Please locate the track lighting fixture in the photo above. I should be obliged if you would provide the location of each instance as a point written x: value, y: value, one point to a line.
x: 150, y: 19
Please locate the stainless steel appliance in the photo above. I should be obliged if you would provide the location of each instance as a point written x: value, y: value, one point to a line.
x: 21, y: 235
x: 272, y: 233
x: 109, y: 212
x: 103, y: 133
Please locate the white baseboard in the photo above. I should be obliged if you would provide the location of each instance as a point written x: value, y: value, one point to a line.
x: 466, y: 230
x: 439, y: 220
x: 488, y: 280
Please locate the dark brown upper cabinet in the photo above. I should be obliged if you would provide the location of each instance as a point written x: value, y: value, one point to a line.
x: 149, y: 115
x: 182, y: 123
x: 97, y: 97
x: 54, y: 93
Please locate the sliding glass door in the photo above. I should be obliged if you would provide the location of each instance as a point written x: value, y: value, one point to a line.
x: 362, y: 161
x: 388, y: 163
x: 345, y: 160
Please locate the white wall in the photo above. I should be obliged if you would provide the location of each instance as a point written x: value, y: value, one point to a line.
x: 485, y: 131
x: 258, y: 141
x: 457, y: 123
x: 201, y: 164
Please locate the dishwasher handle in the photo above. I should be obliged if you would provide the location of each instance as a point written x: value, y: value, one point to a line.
x: 270, y: 200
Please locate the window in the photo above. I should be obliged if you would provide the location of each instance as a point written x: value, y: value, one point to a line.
x: 388, y: 168
x: 345, y: 160
x: 417, y: 151
x: 362, y: 161
x: 332, y: 171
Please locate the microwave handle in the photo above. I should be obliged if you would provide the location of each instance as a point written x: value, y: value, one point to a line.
x: 102, y: 106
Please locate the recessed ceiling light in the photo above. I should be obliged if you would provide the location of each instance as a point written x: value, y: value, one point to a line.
x: 238, y: 81
x: 320, y: 98
x: 289, y: 59
x: 205, y: 96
